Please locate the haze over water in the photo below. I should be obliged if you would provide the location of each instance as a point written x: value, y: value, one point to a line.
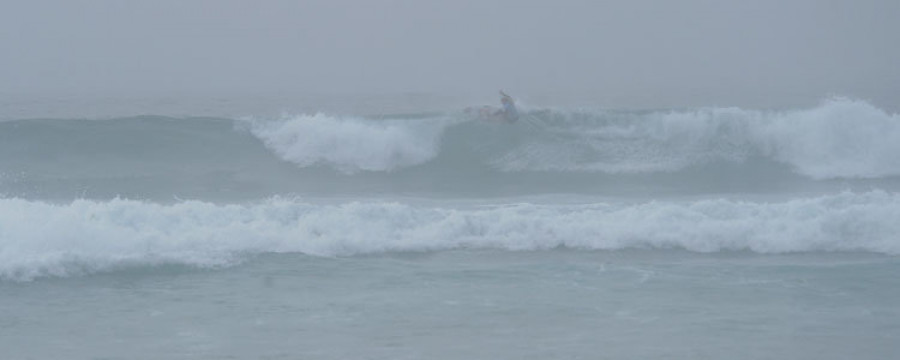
x: 209, y: 180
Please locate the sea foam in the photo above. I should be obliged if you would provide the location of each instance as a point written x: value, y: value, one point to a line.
x: 352, y: 144
x: 842, y: 138
x: 40, y: 239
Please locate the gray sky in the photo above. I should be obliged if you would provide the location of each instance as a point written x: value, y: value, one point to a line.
x: 612, y: 53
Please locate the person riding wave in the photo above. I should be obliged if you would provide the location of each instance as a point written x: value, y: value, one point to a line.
x: 506, y: 113
x: 509, y: 111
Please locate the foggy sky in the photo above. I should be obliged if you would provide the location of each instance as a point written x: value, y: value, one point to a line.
x: 613, y: 53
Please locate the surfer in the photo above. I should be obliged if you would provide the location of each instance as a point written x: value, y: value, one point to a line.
x: 507, y: 113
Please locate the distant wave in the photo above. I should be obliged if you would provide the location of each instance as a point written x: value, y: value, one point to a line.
x: 39, y: 239
x: 841, y: 138
x: 547, y: 151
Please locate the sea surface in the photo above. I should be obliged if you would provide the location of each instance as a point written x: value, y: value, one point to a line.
x: 422, y: 233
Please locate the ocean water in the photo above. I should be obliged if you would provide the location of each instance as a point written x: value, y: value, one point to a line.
x: 705, y: 233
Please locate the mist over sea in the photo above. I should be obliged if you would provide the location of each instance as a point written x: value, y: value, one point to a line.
x: 379, y: 228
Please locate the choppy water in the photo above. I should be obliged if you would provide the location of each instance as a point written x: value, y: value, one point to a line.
x: 695, y: 233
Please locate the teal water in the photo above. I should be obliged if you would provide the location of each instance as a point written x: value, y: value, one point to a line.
x: 709, y: 233
x: 559, y: 304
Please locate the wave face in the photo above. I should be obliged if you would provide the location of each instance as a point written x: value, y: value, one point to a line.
x: 43, y: 239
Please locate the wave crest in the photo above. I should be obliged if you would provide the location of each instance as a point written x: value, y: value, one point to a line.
x: 350, y: 144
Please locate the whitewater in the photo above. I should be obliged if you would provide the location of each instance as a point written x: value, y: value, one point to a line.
x: 702, y: 233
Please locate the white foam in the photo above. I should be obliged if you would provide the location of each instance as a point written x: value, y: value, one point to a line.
x: 352, y: 144
x: 627, y: 143
x: 841, y: 138
x: 41, y: 239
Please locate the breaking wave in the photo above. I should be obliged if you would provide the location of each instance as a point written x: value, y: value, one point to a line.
x: 841, y: 138
x: 708, y: 150
x: 39, y: 239
x: 352, y: 144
